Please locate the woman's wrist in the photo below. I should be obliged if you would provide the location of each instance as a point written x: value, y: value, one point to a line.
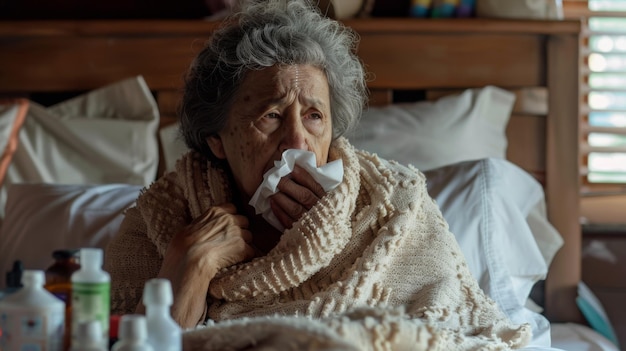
x: 189, y: 307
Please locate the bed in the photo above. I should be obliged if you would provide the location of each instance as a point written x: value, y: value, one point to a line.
x: 522, y: 75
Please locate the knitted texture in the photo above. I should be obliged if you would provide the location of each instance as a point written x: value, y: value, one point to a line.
x: 372, y: 265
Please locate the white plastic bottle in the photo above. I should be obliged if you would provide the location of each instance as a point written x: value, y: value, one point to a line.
x: 164, y: 334
x: 91, y: 290
x: 32, y: 318
x: 89, y: 337
x: 133, y: 334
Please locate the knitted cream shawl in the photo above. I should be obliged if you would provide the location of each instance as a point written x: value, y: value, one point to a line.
x: 372, y: 266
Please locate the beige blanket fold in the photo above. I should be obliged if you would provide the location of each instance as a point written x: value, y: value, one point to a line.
x: 371, y: 267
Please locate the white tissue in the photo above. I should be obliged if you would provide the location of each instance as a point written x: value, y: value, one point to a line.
x: 329, y: 176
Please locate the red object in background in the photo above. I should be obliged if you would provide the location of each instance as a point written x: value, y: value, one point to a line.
x: 114, y: 325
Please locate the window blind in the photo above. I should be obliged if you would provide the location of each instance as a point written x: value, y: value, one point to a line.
x: 603, y: 90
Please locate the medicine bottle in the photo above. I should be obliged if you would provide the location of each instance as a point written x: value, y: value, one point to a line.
x: 164, y: 333
x: 133, y: 334
x: 91, y: 290
x: 58, y: 282
x: 32, y: 318
x: 89, y: 337
x: 59, y: 274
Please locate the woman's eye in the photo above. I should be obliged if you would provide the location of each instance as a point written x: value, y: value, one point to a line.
x: 272, y: 115
x: 316, y: 115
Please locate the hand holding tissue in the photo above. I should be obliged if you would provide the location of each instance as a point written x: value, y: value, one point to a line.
x: 329, y: 176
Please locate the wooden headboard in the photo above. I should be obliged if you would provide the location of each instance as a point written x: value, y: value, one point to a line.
x: 538, y: 60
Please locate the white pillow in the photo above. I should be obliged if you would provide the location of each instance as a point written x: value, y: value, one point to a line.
x: 107, y: 135
x: 172, y: 144
x: 455, y: 128
x: 496, y: 211
x: 41, y: 218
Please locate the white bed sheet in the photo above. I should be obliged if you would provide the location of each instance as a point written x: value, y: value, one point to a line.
x: 578, y: 337
x: 573, y: 337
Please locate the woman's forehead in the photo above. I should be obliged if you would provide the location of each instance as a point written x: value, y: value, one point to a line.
x: 276, y: 81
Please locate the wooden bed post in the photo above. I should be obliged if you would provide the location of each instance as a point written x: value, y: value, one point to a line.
x: 563, y: 178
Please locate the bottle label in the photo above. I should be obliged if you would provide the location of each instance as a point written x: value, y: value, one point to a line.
x: 91, y: 301
x: 28, y: 330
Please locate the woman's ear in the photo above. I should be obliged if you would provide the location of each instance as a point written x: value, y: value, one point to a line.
x: 216, y: 145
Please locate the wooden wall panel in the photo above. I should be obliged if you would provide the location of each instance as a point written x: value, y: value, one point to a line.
x: 168, y: 101
x: 92, y: 62
x: 398, y: 61
x: 380, y: 97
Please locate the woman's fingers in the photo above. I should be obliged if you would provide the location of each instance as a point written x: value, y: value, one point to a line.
x: 215, y: 222
x: 300, y: 176
x: 280, y: 204
x: 298, y: 193
x: 301, y: 188
x: 220, y: 238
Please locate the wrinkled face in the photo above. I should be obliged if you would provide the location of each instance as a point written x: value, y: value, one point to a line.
x: 275, y: 109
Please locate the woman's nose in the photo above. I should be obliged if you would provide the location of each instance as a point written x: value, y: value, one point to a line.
x: 294, y: 134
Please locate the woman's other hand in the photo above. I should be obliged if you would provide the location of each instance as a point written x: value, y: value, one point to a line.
x: 298, y: 192
x: 217, y: 239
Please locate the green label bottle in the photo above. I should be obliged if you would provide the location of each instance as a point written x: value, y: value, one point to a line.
x: 91, y: 289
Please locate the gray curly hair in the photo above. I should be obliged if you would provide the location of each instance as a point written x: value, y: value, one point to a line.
x: 261, y: 35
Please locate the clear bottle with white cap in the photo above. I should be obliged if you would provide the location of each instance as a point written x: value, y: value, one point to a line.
x: 89, y: 337
x: 91, y: 290
x: 32, y: 318
x: 133, y: 334
x: 164, y: 334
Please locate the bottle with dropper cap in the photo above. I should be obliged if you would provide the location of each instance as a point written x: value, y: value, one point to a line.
x: 91, y: 289
x: 32, y: 318
x: 13, y: 279
x: 133, y: 335
x: 164, y: 333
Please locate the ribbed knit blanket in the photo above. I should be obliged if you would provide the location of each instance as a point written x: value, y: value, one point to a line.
x: 372, y: 266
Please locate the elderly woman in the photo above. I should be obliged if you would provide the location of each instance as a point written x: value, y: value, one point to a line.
x: 369, y: 261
